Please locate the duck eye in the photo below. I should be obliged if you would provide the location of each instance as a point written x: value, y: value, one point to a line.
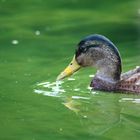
x: 82, y: 49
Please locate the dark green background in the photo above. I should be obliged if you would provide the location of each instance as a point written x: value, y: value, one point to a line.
x: 25, y: 115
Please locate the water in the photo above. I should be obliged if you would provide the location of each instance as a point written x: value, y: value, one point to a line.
x: 38, y: 40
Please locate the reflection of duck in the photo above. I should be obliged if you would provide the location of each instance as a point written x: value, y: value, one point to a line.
x: 100, y: 52
x: 72, y: 105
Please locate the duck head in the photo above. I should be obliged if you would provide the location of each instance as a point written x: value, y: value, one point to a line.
x: 96, y: 51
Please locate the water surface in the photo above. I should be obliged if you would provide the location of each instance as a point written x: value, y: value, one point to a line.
x: 38, y: 40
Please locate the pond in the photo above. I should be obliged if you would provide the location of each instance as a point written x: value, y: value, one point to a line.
x: 38, y: 40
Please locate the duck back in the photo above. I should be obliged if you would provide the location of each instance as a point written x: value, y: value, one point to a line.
x: 130, y: 81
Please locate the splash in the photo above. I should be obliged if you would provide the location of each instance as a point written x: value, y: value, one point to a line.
x: 51, y: 89
x: 72, y: 98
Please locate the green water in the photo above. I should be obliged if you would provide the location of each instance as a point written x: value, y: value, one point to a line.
x: 37, y: 41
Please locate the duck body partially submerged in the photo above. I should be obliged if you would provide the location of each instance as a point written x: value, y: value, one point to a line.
x: 99, y: 52
x: 128, y: 83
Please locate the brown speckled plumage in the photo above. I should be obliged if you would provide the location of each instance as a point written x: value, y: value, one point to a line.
x: 130, y: 83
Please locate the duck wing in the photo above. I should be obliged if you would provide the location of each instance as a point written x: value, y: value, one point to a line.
x: 130, y: 81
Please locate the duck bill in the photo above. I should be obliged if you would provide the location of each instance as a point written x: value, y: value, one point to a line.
x: 70, y: 69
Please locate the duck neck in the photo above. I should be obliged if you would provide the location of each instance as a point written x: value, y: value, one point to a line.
x: 109, y: 70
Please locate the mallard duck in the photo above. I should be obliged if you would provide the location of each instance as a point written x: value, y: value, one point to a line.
x: 99, y: 52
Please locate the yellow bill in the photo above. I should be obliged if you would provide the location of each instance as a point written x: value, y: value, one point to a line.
x: 70, y: 69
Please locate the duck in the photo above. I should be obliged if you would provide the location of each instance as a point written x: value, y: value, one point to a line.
x: 99, y: 52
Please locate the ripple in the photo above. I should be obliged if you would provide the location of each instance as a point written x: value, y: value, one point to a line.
x: 130, y: 100
x: 71, y: 79
x: 58, y: 88
x: 80, y: 97
x: 136, y: 101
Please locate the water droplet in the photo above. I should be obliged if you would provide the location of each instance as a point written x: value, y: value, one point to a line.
x: 15, y: 42
x: 37, y: 32
x: 85, y: 116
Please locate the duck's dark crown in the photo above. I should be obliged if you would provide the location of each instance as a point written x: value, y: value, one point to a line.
x: 84, y: 44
